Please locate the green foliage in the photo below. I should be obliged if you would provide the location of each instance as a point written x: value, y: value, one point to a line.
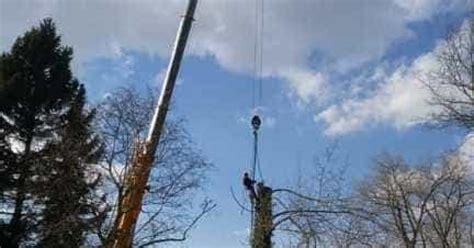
x: 47, y: 147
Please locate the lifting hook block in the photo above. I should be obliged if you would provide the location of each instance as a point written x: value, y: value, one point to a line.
x: 256, y: 122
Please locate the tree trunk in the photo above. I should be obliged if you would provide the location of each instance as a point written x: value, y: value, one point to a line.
x: 262, y: 229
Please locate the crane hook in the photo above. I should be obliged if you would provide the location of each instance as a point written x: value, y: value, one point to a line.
x: 256, y: 122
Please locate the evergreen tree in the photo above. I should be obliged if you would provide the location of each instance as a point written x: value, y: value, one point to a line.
x: 71, y: 204
x: 46, y: 145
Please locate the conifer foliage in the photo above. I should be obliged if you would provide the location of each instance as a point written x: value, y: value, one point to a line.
x: 48, y: 187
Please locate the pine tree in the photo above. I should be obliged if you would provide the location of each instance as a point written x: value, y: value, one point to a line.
x: 72, y: 206
x: 46, y: 145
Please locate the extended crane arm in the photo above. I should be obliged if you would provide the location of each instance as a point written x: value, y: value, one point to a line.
x: 121, y: 235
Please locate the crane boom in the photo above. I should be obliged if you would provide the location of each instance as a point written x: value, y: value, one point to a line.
x: 121, y: 235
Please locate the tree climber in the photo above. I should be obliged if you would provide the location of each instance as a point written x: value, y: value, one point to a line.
x: 249, y: 185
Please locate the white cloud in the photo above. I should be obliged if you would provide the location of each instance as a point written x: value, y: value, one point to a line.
x: 420, y: 9
x: 466, y: 150
x: 309, y: 86
x: 125, y: 62
x: 339, y: 35
x: 160, y: 76
x: 344, y: 33
x: 400, y: 100
x: 269, y: 121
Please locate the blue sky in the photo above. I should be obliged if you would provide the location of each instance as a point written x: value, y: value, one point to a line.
x: 333, y: 71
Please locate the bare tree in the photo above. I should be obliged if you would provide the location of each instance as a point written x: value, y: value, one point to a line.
x: 452, y: 84
x: 450, y: 210
x: 416, y: 206
x: 311, y: 213
x: 179, y: 170
x: 399, y: 205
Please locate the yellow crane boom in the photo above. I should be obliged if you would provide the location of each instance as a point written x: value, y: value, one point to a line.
x: 128, y: 211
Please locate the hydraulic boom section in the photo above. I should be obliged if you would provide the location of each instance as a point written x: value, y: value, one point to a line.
x: 136, y: 178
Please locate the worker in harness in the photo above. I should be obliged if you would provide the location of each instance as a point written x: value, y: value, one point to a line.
x: 249, y: 186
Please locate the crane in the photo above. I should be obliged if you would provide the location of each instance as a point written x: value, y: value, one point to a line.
x: 129, y: 207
